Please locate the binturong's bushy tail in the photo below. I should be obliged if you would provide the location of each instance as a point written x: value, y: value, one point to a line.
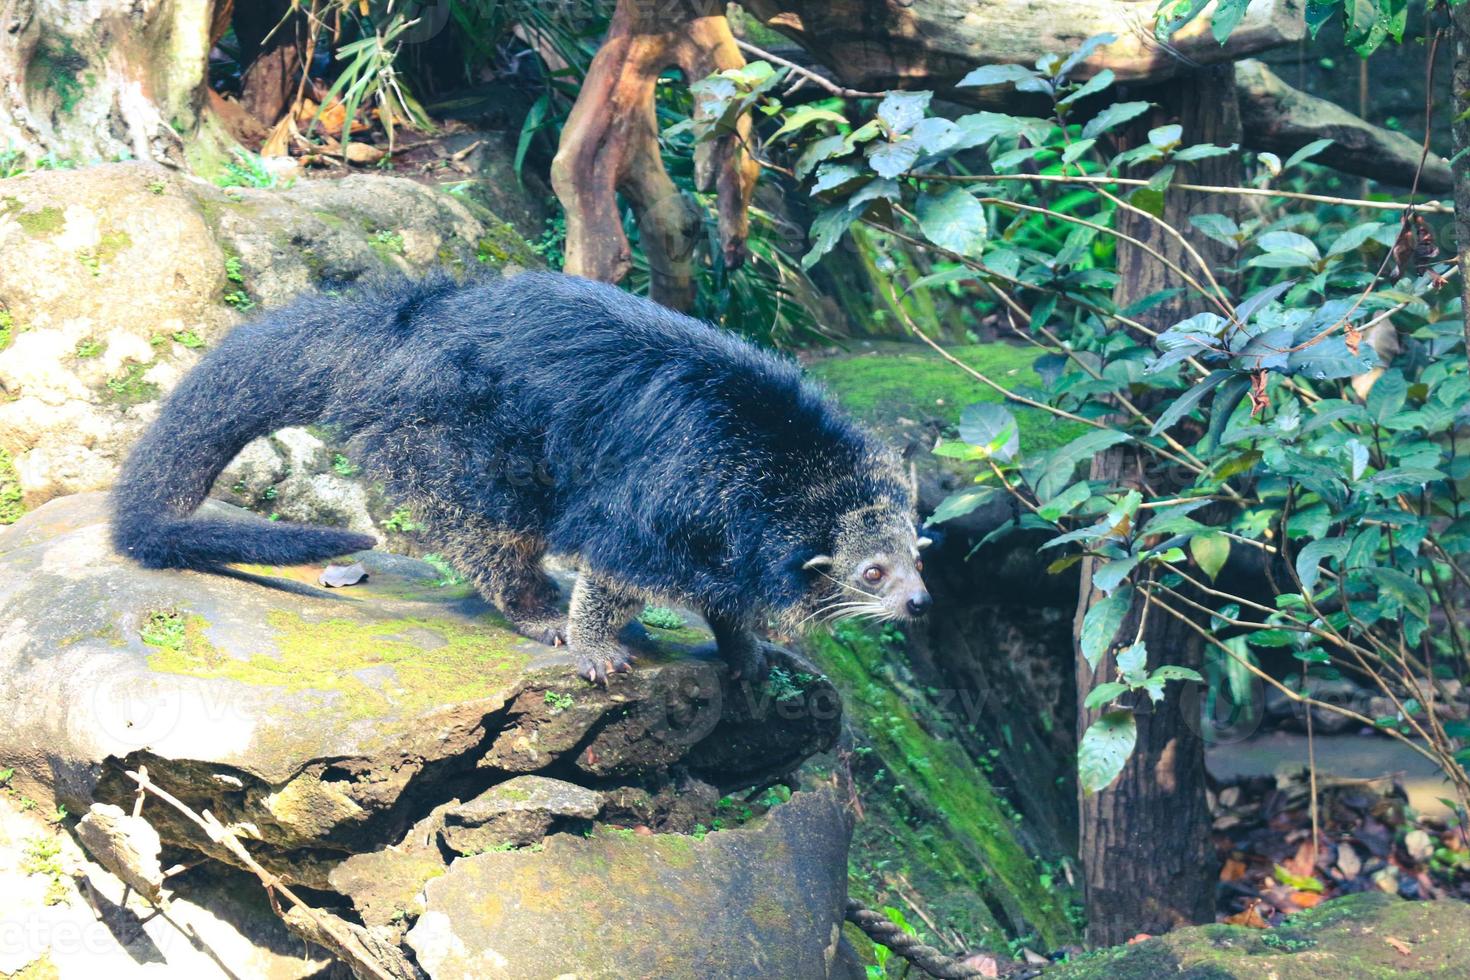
x: 260, y: 379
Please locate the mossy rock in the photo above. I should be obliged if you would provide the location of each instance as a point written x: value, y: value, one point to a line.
x: 319, y: 716
x: 762, y: 900
x: 1363, y: 937
x: 886, y: 382
x: 931, y: 813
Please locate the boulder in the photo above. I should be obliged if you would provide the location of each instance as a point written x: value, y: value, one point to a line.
x: 114, y: 279
x: 360, y: 738
x: 761, y: 900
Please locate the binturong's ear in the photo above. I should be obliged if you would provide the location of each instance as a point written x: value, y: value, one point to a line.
x: 924, y: 543
x: 818, y: 561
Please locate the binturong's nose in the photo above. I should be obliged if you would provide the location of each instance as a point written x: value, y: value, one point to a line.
x: 918, y: 603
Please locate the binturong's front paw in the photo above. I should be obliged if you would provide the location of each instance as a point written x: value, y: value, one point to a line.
x: 747, y: 661
x: 596, y: 663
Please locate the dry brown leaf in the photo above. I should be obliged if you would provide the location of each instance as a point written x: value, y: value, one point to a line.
x: 1250, y: 918
x: 364, y: 153
x: 1259, y: 400
x: 278, y: 143
x: 1305, y: 900
x: 1234, y: 870
x: 1398, y: 944
x: 1139, y: 938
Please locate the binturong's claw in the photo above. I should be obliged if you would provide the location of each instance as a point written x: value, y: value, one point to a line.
x: 597, y: 666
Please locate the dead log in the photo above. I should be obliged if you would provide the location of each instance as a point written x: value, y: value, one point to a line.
x: 609, y: 145
x: 1281, y: 119
x: 884, y: 44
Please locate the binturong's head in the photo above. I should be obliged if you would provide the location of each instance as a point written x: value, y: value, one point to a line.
x: 873, y: 570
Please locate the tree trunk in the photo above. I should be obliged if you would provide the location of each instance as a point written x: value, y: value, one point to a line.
x: 271, y: 51
x: 1460, y: 94
x: 102, y: 80
x: 880, y: 44
x: 610, y: 144
x: 1145, y: 840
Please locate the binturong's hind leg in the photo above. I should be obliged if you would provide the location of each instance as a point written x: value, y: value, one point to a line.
x: 505, y: 567
x: 600, y: 608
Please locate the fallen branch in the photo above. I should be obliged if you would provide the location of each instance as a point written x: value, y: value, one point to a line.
x: 369, y: 957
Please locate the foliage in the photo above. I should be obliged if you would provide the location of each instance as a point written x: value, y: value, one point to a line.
x: 1275, y: 437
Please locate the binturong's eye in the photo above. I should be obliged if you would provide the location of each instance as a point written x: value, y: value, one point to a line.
x: 872, y: 575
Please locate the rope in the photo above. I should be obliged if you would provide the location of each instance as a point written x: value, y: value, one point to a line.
x: 884, y: 931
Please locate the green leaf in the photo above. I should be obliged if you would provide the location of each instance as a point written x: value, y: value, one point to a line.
x: 1182, y: 405
x: 1065, y: 502
x: 1131, y: 662
x: 1309, y: 559
x: 827, y: 229
x: 1210, y: 552
x: 996, y: 75
x: 804, y: 116
x: 1227, y: 15
x: 1104, y: 693
x: 1101, y: 623
x: 900, y: 111
x: 953, y: 219
x: 1301, y: 883
x: 1354, y: 237
x: 1108, y: 577
x: 1403, y: 588
x: 993, y: 427
x: 1387, y: 395
x: 1114, y: 115
x: 1306, y: 153
x: 1203, y: 151
x: 1166, y: 137
x: 1094, y: 85
x: 889, y: 159
x: 1171, y: 672
x: 962, y: 502
x: 1104, y: 750
x: 1217, y: 226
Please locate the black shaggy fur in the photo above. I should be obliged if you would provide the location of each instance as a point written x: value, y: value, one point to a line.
x: 540, y: 413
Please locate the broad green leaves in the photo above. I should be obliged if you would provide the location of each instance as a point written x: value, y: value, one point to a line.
x: 1104, y: 750
x: 953, y: 219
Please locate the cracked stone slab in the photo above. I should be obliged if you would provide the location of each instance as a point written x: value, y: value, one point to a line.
x: 765, y: 899
x: 516, y: 812
x: 319, y: 722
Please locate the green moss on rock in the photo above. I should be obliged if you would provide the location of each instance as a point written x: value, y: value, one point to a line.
x: 910, y: 381
x: 1344, y: 937
x: 934, y: 815
x: 330, y: 656
x: 11, y: 506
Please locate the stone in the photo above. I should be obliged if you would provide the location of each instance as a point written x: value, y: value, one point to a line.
x: 1367, y: 936
x: 765, y: 899
x: 116, y: 279
x: 323, y: 721
x: 64, y: 915
x: 518, y: 812
x: 127, y: 846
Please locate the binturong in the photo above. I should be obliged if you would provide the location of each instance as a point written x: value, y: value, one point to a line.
x: 548, y: 414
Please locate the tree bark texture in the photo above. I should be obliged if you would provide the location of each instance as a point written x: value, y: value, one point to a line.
x: 1460, y: 106
x: 610, y: 145
x: 104, y: 79
x: 1145, y: 840
x: 272, y: 52
x: 882, y: 44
